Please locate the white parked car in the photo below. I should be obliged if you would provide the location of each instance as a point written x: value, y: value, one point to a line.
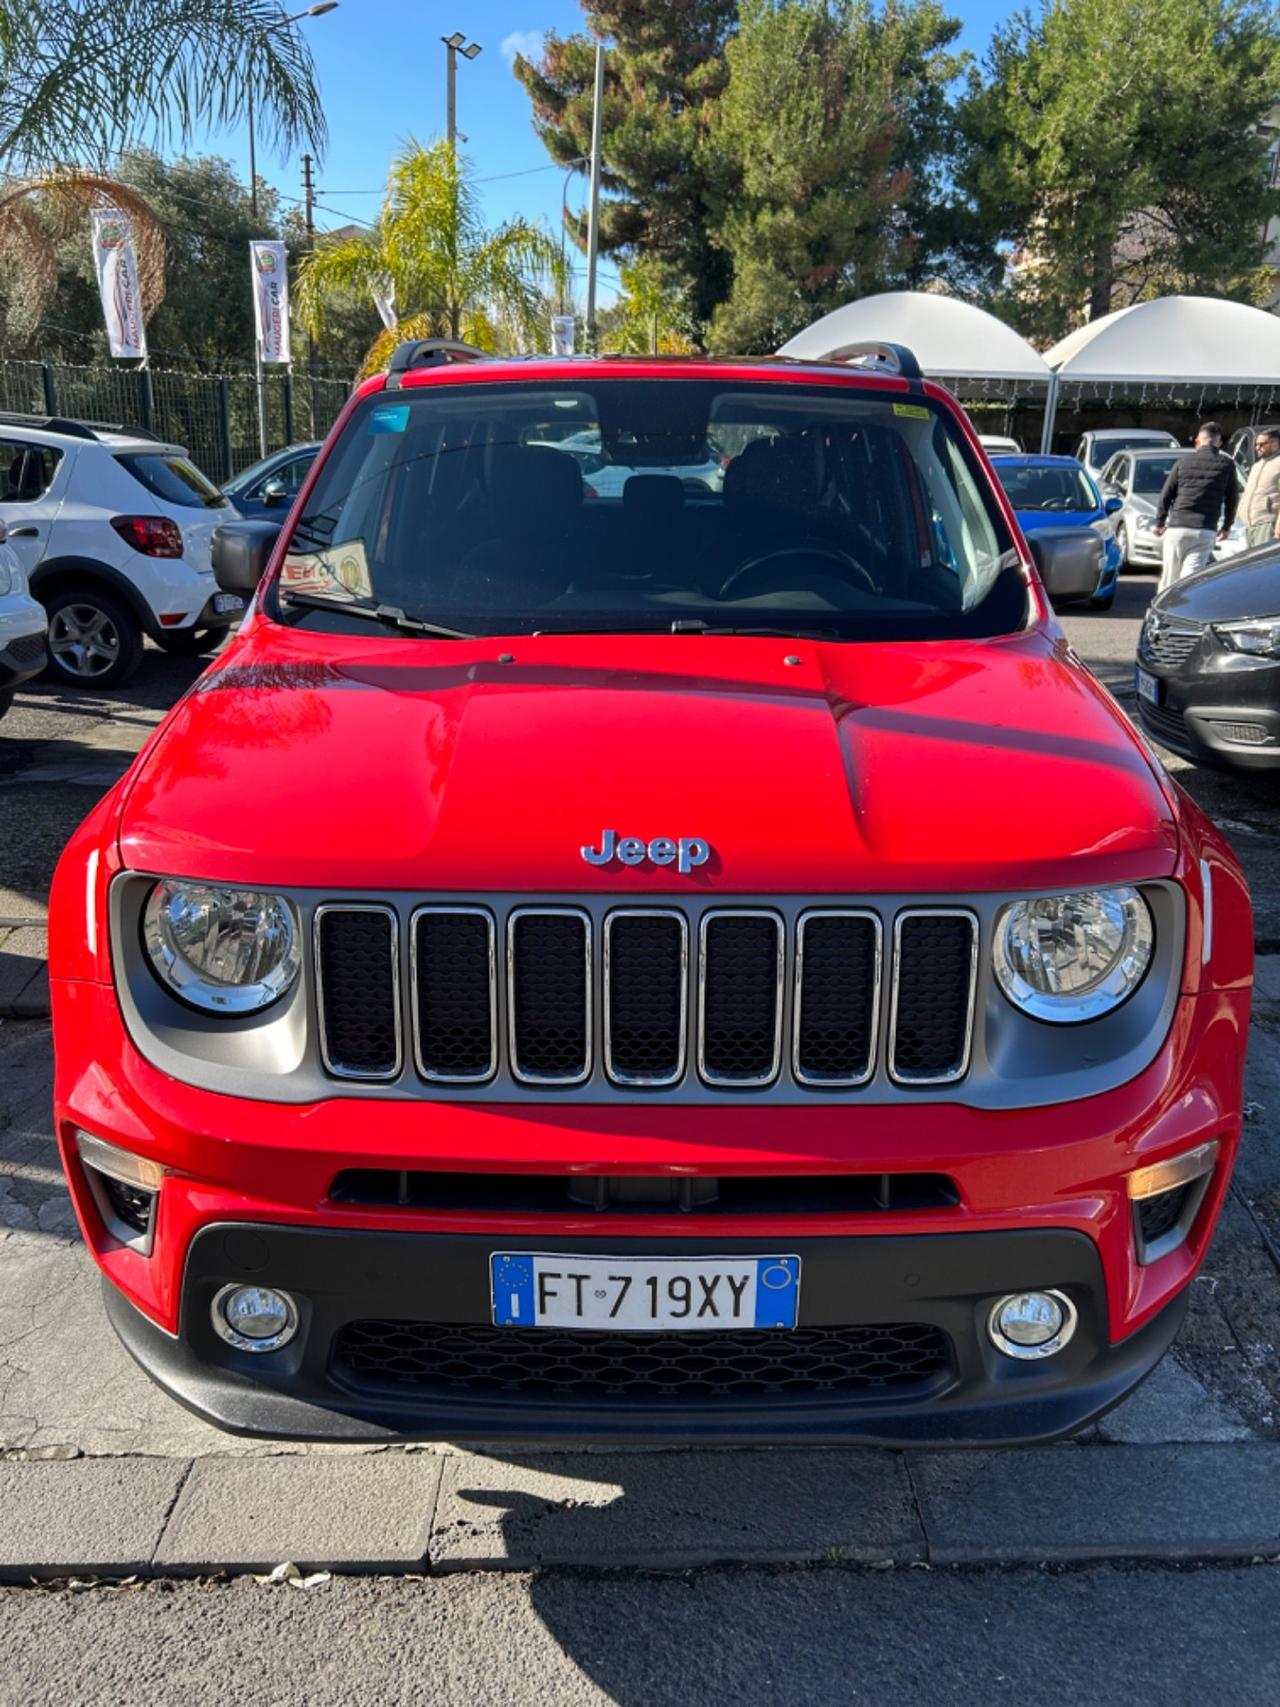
x: 112, y: 529
x: 999, y: 444
x: 1096, y: 449
x: 1137, y: 477
x: 22, y: 626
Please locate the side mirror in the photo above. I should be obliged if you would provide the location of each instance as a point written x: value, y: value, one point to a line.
x: 275, y: 492
x: 241, y: 552
x: 1112, y: 502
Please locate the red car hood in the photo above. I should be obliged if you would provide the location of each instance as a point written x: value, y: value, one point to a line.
x: 305, y: 759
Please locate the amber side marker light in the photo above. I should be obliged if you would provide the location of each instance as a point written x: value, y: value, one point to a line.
x: 1177, y: 1171
x: 125, y: 1188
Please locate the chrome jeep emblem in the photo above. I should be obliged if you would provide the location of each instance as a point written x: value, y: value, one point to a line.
x: 685, y: 853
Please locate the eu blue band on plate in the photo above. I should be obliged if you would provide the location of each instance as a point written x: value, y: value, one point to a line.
x: 777, y: 1286
x: 513, y: 1291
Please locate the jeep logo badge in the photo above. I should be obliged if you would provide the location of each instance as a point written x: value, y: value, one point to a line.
x: 685, y: 854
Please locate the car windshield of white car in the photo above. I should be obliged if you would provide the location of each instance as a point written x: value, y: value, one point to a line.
x: 1047, y: 488
x: 672, y: 505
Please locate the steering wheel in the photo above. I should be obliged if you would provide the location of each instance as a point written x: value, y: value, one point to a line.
x: 734, y: 588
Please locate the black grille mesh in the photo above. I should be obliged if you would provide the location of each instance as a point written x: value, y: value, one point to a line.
x: 740, y: 1011
x: 837, y: 1003
x: 454, y: 1018
x: 1163, y: 722
x: 639, y: 1367
x: 358, y: 991
x: 549, y: 995
x: 934, y: 982
x: 27, y: 649
x: 1171, y: 643
x: 1158, y: 1215
x: 646, y: 987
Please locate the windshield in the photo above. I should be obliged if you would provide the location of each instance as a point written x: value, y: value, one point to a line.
x: 1150, y: 473
x: 654, y: 504
x: 1061, y: 488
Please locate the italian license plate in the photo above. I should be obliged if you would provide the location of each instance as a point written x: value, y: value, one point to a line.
x: 224, y: 602
x: 532, y: 1289
x: 1148, y: 688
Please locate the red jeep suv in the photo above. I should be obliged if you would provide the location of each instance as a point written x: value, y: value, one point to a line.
x: 648, y: 933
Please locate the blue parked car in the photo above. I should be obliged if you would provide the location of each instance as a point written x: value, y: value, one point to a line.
x: 1058, y: 491
x: 270, y: 486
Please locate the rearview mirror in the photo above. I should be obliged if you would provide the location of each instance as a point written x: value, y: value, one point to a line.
x: 241, y: 552
x: 1112, y: 502
x: 275, y: 492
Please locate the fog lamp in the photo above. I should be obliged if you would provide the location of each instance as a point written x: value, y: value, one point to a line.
x: 1032, y: 1324
x: 255, y: 1318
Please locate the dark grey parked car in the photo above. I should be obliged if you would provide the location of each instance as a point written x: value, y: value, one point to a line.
x: 271, y: 485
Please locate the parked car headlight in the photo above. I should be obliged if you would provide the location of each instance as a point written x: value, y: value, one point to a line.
x: 1261, y: 636
x: 1068, y: 958
x: 1144, y: 524
x: 229, y: 951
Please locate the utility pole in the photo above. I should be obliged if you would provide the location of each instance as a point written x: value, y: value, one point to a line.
x: 593, y: 217
x: 454, y: 45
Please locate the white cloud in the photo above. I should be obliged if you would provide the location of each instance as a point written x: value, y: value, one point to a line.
x: 526, y: 42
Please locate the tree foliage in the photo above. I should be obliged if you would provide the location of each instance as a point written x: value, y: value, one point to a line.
x: 650, y: 316
x: 82, y: 79
x: 664, y: 72
x: 829, y: 148
x: 1112, y: 143
x: 453, y: 276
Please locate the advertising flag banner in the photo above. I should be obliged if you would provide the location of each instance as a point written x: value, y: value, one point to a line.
x: 384, y: 300
x: 116, y: 264
x: 271, y: 299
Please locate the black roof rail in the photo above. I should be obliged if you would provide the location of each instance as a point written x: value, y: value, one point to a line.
x: 429, y: 352
x: 49, y: 424
x: 880, y: 357
x: 75, y: 429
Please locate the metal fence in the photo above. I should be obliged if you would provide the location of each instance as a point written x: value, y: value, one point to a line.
x: 214, y: 415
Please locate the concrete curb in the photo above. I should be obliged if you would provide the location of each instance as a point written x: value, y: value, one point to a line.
x: 381, y: 1513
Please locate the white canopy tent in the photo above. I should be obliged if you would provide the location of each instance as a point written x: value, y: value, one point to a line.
x: 952, y: 340
x: 1175, y: 344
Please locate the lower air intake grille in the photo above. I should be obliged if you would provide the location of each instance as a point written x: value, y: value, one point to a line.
x: 933, y: 1011
x: 636, y: 1368
x: 358, y: 991
x: 550, y: 983
x: 1164, y: 723
x: 741, y: 998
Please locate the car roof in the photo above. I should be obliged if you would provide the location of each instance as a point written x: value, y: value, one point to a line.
x: 1161, y: 450
x: 1034, y: 459
x: 1127, y: 433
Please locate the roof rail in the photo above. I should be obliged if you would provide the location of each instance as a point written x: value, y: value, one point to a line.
x: 49, y: 424
x: 881, y: 357
x: 429, y: 352
x: 74, y: 429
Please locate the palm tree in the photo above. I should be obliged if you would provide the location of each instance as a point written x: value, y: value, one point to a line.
x: 452, y: 276
x: 37, y: 213
x: 80, y: 79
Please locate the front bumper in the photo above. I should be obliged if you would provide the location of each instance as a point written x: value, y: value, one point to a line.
x: 1041, y: 1201
x: 1219, y: 707
x: 309, y: 1391
x: 1144, y: 548
x: 21, y: 658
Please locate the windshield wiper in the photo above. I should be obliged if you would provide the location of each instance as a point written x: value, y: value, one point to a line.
x: 695, y: 625
x: 390, y: 616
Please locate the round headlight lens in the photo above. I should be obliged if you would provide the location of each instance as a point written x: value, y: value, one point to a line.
x: 1069, y: 958
x: 229, y: 951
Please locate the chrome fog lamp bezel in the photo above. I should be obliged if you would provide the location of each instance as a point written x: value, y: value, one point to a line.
x: 183, y: 979
x: 244, y: 1342
x: 1031, y: 1353
x: 1108, y: 991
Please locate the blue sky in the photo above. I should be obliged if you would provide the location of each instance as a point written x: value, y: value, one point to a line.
x: 381, y: 67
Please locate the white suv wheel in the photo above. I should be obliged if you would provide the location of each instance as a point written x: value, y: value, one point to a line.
x: 94, y: 639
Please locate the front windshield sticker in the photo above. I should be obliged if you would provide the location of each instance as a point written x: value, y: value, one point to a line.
x: 342, y: 572
x: 913, y: 411
x: 389, y: 418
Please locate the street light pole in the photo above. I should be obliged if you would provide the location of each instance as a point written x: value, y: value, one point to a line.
x: 454, y: 45
x: 593, y: 216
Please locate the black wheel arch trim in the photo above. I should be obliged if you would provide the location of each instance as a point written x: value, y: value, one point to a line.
x: 91, y: 568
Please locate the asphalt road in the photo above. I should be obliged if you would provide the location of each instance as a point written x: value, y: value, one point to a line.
x: 901, y: 1638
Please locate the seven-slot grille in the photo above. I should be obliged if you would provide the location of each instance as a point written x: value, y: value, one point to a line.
x: 672, y: 1001
x: 1169, y: 640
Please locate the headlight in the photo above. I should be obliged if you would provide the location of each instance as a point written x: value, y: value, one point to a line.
x: 1068, y: 958
x: 1261, y: 637
x: 1144, y: 524
x: 229, y: 951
